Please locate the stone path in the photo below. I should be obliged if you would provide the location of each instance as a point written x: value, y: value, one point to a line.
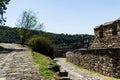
x: 74, y: 73
x: 16, y: 63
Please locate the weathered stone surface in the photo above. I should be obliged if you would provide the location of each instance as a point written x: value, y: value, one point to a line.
x: 75, y: 73
x: 63, y: 74
x: 107, y: 35
x: 17, y: 64
x: 103, y: 55
x: 104, y: 61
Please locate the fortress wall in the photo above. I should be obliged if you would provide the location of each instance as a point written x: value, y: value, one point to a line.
x: 104, y: 61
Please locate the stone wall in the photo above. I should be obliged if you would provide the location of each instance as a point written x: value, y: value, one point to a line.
x: 107, y: 35
x: 105, y: 61
x: 61, y: 52
x: 103, y: 55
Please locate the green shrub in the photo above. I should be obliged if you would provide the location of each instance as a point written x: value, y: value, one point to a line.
x: 42, y: 45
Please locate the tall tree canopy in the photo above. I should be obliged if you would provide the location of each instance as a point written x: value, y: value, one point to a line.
x: 3, y: 8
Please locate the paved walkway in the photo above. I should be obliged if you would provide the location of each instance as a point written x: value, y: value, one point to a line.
x: 16, y: 63
x: 74, y: 73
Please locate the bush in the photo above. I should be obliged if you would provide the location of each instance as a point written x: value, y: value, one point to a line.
x: 42, y: 45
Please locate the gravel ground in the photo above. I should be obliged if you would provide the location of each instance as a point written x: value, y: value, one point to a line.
x: 74, y: 73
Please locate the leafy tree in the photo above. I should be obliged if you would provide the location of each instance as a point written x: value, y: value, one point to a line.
x: 27, y: 21
x: 3, y: 7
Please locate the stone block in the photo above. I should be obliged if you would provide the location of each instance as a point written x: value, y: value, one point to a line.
x: 63, y: 74
x: 64, y: 78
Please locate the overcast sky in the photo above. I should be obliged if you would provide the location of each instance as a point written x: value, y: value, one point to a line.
x: 66, y: 16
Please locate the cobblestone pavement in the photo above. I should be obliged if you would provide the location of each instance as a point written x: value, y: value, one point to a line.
x: 74, y: 73
x: 16, y: 63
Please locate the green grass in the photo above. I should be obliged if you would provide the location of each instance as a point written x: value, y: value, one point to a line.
x: 43, y: 63
x: 92, y: 72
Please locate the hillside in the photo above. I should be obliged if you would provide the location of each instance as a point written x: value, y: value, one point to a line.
x: 10, y: 35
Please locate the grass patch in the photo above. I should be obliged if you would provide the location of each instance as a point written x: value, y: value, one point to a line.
x: 43, y: 63
x: 92, y: 72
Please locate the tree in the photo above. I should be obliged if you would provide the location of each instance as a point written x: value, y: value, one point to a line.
x: 3, y: 7
x: 27, y: 21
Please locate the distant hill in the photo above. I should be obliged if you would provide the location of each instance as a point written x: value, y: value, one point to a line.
x: 10, y: 35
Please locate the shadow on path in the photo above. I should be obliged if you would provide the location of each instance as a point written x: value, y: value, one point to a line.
x: 7, y: 51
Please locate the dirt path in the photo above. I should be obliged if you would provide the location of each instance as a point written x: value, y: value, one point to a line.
x: 74, y: 73
x: 16, y: 63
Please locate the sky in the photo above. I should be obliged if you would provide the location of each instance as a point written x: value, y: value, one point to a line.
x: 66, y: 16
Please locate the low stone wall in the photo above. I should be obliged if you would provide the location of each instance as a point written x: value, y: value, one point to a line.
x: 61, y: 52
x: 104, y: 61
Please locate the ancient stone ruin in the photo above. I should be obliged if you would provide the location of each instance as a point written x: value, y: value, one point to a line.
x: 107, y: 35
x: 103, y: 55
